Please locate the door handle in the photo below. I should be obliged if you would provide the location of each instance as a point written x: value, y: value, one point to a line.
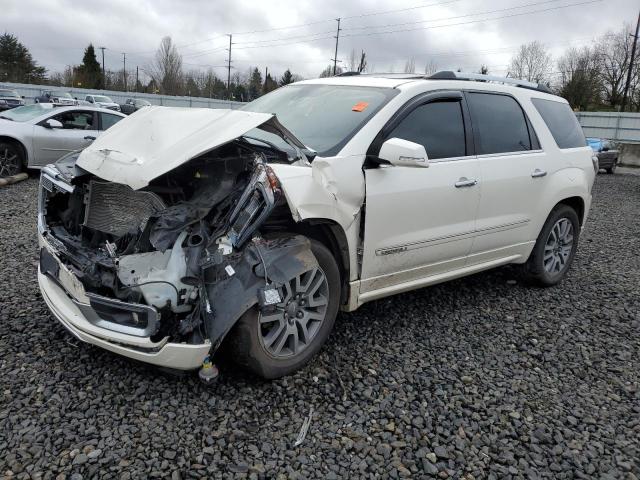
x: 89, y: 137
x: 537, y: 173
x: 465, y: 182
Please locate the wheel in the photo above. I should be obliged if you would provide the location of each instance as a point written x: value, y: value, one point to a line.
x: 11, y: 161
x: 612, y: 168
x: 277, y: 344
x: 555, y: 248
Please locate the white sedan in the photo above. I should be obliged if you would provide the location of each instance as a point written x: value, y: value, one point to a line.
x: 36, y: 135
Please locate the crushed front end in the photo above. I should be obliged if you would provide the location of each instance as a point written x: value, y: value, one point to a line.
x: 161, y: 273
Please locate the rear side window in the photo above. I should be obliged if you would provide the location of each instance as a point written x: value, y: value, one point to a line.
x: 499, y: 124
x: 438, y: 126
x: 562, y: 123
x: 109, y: 120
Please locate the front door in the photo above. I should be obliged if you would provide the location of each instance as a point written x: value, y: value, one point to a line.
x: 79, y: 129
x: 420, y: 221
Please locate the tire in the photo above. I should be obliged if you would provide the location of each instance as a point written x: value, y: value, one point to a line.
x: 550, y: 261
x: 612, y: 168
x: 11, y: 159
x: 250, y: 338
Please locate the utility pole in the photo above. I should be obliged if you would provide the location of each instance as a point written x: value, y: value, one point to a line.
x: 229, y: 69
x: 124, y: 70
x: 633, y: 54
x: 136, y: 79
x: 104, y: 80
x: 335, y: 56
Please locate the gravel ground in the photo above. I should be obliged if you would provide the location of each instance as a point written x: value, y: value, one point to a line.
x: 478, y: 378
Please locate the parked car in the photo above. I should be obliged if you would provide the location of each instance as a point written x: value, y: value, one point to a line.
x: 34, y: 135
x: 182, y: 228
x: 102, y: 101
x: 10, y: 99
x: 133, y: 105
x: 607, y: 153
x: 63, y: 99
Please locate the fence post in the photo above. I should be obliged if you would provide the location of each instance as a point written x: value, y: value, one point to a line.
x: 615, y: 135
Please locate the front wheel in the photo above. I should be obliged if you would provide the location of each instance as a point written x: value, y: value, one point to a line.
x: 555, y: 248
x: 11, y: 162
x: 276, y: 344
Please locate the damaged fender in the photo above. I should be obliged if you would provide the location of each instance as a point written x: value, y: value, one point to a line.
x: 232, y: 286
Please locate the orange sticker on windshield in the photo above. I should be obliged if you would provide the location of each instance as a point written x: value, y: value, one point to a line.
x: 359, y: 107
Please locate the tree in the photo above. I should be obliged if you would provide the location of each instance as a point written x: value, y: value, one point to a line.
x: 579, y: 78
x: 89, y: 72
x: 17, y: 64
x: 166, y: 69
x: 484, y: 70
x: 287, y: 78
x: 431, y: 68
x: 328, y: 71
x: 255, y: 84
x: 531, y: 63
x: 410, y: 66
x: 269, y: 84
x: 614, y: 53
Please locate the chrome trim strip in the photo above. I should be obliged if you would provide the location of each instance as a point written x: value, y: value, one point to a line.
x: 447, y: 238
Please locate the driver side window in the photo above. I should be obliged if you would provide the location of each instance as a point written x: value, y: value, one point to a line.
x: 76, y: 120
x: 438, y: 126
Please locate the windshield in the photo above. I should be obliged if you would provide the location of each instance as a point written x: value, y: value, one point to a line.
x: 9, y: 93
x: 102, y: 99
x: 323, y: 117
x: 63, y: 95
x: 26, y: 113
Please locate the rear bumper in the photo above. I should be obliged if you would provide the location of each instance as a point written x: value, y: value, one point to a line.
x: 179, y: 356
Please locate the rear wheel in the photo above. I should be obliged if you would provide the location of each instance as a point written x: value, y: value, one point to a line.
x: 11, y: 161
x: 276, y: 344
x: 612, y: 168
x: 555, y: 248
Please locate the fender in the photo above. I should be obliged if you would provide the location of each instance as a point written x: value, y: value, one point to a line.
x: 232, y: 291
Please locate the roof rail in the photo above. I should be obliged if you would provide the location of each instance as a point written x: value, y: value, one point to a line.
x: 478, y: 77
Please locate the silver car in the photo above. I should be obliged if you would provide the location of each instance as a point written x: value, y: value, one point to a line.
x: 36, y: 135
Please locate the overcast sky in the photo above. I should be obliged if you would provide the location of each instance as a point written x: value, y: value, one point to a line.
x: 299, y: 34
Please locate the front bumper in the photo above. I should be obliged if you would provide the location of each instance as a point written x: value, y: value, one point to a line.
x: 179, y: 356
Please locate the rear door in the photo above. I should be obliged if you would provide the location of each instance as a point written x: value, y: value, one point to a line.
x: 420, y: 221
x: 513, y: 174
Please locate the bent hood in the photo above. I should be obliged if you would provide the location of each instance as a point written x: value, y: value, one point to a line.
x: 157, y: 140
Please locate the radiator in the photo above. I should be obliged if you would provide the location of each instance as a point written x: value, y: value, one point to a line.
x: 118, y: 209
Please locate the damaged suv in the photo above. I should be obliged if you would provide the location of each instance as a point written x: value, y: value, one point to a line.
x: 180, y: 228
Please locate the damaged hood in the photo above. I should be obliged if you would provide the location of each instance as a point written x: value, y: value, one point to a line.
x: 157, y: 140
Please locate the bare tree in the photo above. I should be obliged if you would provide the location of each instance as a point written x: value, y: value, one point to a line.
x: 579, y: 77
x: 431, y: 68
x: 484, y: 70
x: 353, y: 61
x: 531, y: 63
x: 614, y: 55
x: 328, y: 71
x: 410, y: 66
x: 166, y: 69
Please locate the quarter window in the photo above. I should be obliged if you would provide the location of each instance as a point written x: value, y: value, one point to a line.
x: 438, y: 126
x: 499, y: 123
x: 562, y: 122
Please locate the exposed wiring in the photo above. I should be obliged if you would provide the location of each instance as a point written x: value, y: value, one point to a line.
x: 264, y: 264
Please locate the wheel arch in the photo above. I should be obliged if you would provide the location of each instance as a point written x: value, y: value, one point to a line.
x: 21, y: 146
x: 577, y: 203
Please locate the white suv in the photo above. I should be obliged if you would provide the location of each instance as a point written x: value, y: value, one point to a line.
x: 180, y: 228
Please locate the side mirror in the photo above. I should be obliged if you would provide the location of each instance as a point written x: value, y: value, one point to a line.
x: 403, y: 153
x: 53, y: 123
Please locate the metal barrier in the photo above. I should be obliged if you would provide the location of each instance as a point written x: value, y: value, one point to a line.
x: 621, y: 127
x: 30, y: 92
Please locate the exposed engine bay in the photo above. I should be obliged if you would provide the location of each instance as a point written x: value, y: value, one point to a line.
x: 182, y: 257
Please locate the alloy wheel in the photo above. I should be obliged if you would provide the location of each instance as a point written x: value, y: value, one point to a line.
x: 557, y: 249
x: 9, y: 163
x: 294, y: 324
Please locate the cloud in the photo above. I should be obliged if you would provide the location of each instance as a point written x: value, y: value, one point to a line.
x: 452, y: 33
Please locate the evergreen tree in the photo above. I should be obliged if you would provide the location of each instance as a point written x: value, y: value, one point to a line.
x: 287, y: 78
x: 89, y: 73
x: 255, y: 84
x: 16, y: 63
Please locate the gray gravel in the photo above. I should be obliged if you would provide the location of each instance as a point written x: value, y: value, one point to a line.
x: 478, y: 378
